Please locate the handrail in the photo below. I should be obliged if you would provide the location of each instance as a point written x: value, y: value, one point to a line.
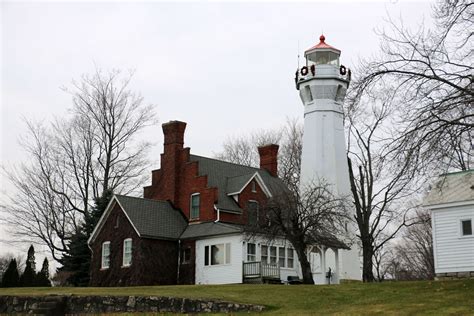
x: 260, y: 269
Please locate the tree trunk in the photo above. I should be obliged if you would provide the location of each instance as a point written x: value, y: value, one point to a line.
x: 304, y: 263
x: 368, y: 268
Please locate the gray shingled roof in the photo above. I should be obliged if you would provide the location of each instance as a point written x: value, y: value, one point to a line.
x: 329, y: 240
x: 235, y: 184
x: 452, y: 187
x: 220, y: 173
x: 210, y: 229
x: 153, y: 218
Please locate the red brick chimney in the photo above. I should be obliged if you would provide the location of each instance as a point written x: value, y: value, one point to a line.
x: 171, y: 159
x: 174, y: 133
x: 269, y: 158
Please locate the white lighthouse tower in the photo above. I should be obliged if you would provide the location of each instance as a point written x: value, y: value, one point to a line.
x: 322, y: 84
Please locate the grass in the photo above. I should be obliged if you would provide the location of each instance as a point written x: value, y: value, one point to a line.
x: 389, y: 298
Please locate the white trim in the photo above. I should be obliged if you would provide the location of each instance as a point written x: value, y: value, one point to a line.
x: 433, y: 235
x: 462, y: 219
x: 191, y: 206
x: 260, y: 182
x: 104, y: 217
x: 247, y: 251
x: 123, y: 252
x: 218, y: 214
x: 448, y: 205
x: 208, y: 254
x: 99, y: 224
x: 102, y: 266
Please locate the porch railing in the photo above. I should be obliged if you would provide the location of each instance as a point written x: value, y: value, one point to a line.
x: 258, y: 269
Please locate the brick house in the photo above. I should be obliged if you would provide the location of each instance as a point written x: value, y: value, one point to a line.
x: 188, y: 227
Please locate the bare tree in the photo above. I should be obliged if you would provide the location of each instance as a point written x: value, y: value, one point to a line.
x: 310, y: 216
x: 243, y: 149
x: 74, y: 160
x: 414, y: 252
x: 432, y: 70
x: 380, y: 185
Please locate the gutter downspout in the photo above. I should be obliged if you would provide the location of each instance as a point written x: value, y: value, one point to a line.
x: 218, y: 214
x: 179, y: 261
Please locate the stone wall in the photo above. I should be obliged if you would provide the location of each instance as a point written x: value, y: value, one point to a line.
x: 455, y: 275
x: 116, y: 304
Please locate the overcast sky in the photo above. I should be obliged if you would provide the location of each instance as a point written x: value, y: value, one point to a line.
x: 224, y: 68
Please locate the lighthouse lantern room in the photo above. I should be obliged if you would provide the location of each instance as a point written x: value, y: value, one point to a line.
x: 322, y: 54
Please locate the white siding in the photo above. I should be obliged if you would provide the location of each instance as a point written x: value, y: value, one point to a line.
x: 220, y: 274
x: 453, y: 252
x: 232, y: 273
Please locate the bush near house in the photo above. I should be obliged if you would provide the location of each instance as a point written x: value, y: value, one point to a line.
x: 387, y: 298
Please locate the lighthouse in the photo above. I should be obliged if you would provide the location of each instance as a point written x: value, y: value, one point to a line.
x: 322, y: 83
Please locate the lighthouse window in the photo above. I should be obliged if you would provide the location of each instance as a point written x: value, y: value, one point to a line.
x: 326, y: 58
x: 308, y: 93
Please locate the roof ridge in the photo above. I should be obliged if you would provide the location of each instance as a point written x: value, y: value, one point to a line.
x: 241, y: 175
x: 227, y: 162
x: 140, y: 198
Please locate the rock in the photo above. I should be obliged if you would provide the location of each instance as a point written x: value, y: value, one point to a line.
x: 131, y: 302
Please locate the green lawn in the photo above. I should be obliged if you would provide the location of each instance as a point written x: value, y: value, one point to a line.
x: 390, y: 298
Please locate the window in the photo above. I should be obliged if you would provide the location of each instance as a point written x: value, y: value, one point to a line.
x: 217, y: 254
x: 284, y: 256
x: 127, y: 252
x: 186, y: 255
x: 251, y: 252
x: 291, y: 255
x: 252, y: 208
x: 281, y: 257
x: 309, y: 95
x: 194, y: 213
x: 254, y: 187
x: 106, y: 255
x: 466, y: 227
x: 264, y: 254
x: 273, y: 254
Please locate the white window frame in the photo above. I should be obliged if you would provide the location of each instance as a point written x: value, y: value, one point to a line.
x: 191, y: 206
x: 105, y: 263
x: 208, y: 254
x: 272, y: 258
x: 253, y: 186
x: 251, y: 257
x: 183, y: 260
x: 292, y: 258
x: 286, y: 250
x: 280, y: 248
x: 264, y: 253
x: 461, y: 235
x: 124, y: 263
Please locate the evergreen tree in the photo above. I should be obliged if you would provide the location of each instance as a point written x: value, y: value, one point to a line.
x: 42, y: 278
x: 11, y: 277
x: 77, y: 259
x: 29, y: 275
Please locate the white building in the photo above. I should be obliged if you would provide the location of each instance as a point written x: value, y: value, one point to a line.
x: 322, y: 83
x: 451, y: 202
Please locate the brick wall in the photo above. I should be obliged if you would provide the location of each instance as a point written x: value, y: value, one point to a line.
x: 154, y: 261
